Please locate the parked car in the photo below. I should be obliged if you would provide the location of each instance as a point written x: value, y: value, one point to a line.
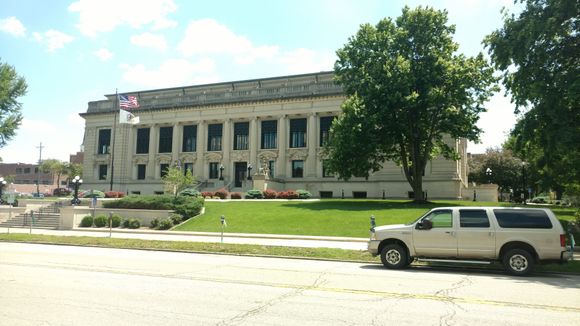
x: 517, y: 237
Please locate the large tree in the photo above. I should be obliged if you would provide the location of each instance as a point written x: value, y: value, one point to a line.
x: 12, y: 87
x: 407, y: 88
x: 55, y: 167
x: 538, y: 51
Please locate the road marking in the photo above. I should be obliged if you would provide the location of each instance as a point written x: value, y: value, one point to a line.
x: 314, y: 287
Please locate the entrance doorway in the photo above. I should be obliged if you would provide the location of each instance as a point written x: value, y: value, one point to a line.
x: 240, y: 173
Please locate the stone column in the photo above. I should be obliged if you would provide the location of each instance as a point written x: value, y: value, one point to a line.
x: 200, y: 151
x: 282, y: 145
x: 226, y: 149
x: 175, y: 141
x: 254, y: 143
x: 153, y: 140
x: 310, y: 164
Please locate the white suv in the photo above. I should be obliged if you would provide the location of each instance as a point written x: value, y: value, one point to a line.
x: 518, y: 237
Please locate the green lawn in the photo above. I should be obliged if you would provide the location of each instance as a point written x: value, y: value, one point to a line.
x: 333, y: 217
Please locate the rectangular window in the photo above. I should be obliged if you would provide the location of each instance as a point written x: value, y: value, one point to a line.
x: 189, y: 138
x: 165, y: 139
x: 522, y: 218
x: 214, y: 137
x: 271, y: 168
x: 213, y: 170
x: 297, y: 168
x: 187, y: 167
x: 163, y: 169
x: 325, y: 173
x: 103, y: 172
x: 473, y: 218
x: 104, y: 141
x: 269, y: 134
x: 141, y: 168
x: 26, y: 170
x: 143, y: 140
x: 325, y: 123
x: 297, y: 133
x: 241, y: 131
x: 18, y: 170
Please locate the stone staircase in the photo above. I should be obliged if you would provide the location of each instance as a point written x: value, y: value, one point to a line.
x: 47, y: 217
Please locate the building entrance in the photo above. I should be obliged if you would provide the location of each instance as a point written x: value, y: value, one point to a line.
x: 240, y: 173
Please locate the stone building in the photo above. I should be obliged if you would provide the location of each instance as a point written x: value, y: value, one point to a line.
x: 224, y: 132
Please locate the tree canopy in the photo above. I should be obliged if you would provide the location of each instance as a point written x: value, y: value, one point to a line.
x: 407, y: 89
x: 537, y: 51
x: 176, y: 179
x: 12, y: 87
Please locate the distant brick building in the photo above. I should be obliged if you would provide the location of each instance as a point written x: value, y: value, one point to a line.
x: 22, y: 177
x: 77, y: 158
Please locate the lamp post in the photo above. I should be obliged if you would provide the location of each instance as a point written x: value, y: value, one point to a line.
x: 2, y: 184
x: 221, y: 171
x: 249, y: 171
x: 488, y: 173
x: 76, y: 181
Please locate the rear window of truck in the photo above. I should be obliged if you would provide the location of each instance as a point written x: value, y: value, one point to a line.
x: 522, y: 219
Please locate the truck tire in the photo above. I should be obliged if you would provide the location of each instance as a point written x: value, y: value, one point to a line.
x: 518, y: 262
x: 394, y: 256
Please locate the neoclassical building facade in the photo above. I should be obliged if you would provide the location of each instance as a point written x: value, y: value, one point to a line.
x: 225, y: 132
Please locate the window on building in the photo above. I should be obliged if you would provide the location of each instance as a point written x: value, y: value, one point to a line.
x: 189, y: 138
x: 26, y: 170
x: 104, y: 141
x: 269, y: 134
x: 271, y: 167
x: 163, y: 169
x: 143, y: 140
x: 103, y: 171
x: 325, y: 173
x: 297, y: 133
x: 297, y: 168
x: 214, y: 137
x: 18, y: 170
x: 325, y: 123
x: 187, y: 167
x: 213, y: 170
x: 165, y: 139
x: 141, y: 169
x: 241, y: 131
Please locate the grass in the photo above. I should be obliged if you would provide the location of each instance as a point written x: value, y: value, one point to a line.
x: 335, y: 217
x: 235, y: 249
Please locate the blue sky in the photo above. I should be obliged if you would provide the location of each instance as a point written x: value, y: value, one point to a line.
x: 73, y: 52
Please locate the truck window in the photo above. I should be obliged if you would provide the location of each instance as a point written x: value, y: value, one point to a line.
x: 473, y: 218
x: 522, y: 218
x: 440, y: 219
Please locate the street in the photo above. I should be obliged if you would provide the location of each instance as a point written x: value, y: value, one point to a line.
x: 67, y: 285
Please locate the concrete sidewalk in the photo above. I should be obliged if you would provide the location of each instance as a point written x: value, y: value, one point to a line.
x: 239, y: 238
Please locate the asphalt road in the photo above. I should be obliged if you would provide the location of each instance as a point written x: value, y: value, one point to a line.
x: 65, y: 285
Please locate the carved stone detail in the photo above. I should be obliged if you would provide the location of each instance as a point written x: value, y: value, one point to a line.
x: 163, y: 159
x: 187, y: 158
x: 297, y: 154
x: 267, y: 155
x: 141, y: 159
x: 213, y: 157
x: 239, y: 156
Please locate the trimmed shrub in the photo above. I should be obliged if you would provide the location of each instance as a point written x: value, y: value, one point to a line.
x: 175, y: 219
x: 92, y: 194
x: 165, y: 224
x: 132, y: 223
x: 289, y: 194
x: 116, y: 220
x: 114, y: 194
x: 189, y: 209
x: 154, y: 223
x: 87, y: 221
x: 254, y: 194
x: 207, y: 194
x: 222, y: 193
x: 154, y: 202
x: 303, y: 194
x: 192, y: 192
x: 235, y: 195
x: 101, y: 221
x: 269, y: 194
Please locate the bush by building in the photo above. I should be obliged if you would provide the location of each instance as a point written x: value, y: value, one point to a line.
x: 192, y: 192
x: 254, y: 194
x: 114, y: 194
x: 87, y: 221
x: 101, y: 221
x: 165, y: 224
x: 235, y: 195
x: 303, y: 194
x: 222, y: 194
x: 269, y: 194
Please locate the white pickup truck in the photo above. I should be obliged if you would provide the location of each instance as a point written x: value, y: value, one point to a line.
x: 518, y: 237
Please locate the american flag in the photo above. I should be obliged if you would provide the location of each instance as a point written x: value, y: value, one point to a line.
x: 128, y: 101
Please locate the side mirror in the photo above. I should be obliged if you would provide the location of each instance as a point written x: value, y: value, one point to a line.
x: 425, y: 225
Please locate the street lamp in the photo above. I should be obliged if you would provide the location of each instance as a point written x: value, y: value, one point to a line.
x: 2, y: 184
x: 249, y: 171
x: 221, y: 171
x: 76, y: 181
x: 488, y: 172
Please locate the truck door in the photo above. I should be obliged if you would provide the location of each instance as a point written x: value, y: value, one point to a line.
x: 434, y: 235
x: 475, y: 236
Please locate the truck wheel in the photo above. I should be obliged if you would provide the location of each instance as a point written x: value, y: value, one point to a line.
x: 518, y: 262
x: 394, y: 256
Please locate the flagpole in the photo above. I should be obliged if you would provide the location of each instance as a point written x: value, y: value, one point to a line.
x: 116, y: 110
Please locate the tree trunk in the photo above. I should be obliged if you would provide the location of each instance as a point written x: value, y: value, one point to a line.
x: 417, y: 186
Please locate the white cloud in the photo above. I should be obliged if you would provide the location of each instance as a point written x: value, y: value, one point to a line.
x: 12, y: 26
x: 207, y: 36
x: 305, y: 61
x: 171, y: 73
x: 150, y: 40
x: 97, y: 16
x: 103, y: 54
x: 53, y: 39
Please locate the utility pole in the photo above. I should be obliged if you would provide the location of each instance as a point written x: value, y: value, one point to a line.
x: 38, y: 170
